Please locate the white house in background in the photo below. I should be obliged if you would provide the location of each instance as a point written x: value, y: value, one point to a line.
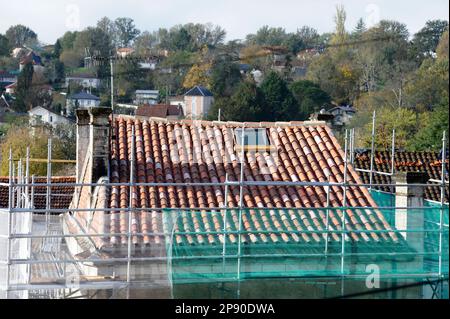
x: 41, y: 115
x: 257, y: 76
x: 342, y: 114
x: 198, y: 101
x: 148, y: 65
x: 7, y: 77
x: 11, y: 89
x: 146, y: 97
x: 85, y: 80
x: 81, y: 100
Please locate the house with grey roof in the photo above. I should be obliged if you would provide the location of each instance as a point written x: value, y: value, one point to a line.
x: 198, y: 102
x: 81, y: 100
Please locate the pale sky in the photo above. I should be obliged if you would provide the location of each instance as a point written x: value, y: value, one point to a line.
x: 50, y: 19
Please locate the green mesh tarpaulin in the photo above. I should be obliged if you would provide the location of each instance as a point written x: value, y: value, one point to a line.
x: 198, y: 253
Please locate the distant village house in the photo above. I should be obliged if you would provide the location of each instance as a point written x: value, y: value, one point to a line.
x: 198, y: 101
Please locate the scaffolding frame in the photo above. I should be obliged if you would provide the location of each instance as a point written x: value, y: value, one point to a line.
x: 21, y: 193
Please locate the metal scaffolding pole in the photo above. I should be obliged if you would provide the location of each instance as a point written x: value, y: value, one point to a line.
x: 10, y: 207
x: 352, y: 146
x: 49, y: 181
x: 27, y: 173
x: 372, y: 150
x: 344, y: 203
x: 241, y: 204
x: 344, y: 213
x: 393, y: 153
x: 327, y: 216
x: 130, y: 209
x: 224, y: 217
x: 441, y: 217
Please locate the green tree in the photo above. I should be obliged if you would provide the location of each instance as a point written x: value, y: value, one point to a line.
x: 95, y: 39
x: 57, y: 49
x: 425, y: 41
x: 126, y: 31
x: 4, y: 46
x: 246, y: 104
x: 401, y: 119
x: 337, y: 74
x: 340, y: 35
x: 428, y: 85
x: 24, y: 86
x: 225, y: 77
x: 310, y: 97
x: 335, y: 69
x: 280, y: 104
x: 129, y: 78
x: 182, y: 40
x: 67, y: 40
x: 109, y: 27
x: 359, y: 30
x: 145, y: 42
x: 19, y: 138
x: 20, y: 35
x: 267, y: 36
x: 442, y: 49
x: 433, y: 124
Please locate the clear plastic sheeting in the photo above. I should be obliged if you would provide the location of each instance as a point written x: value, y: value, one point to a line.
x: 14, y: 249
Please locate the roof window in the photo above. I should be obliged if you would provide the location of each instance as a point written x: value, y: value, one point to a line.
x: 253, y: 139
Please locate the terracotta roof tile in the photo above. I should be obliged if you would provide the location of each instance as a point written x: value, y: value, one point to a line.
x: 428, y: 162
x: 61, y: 196
x: 195, y: 152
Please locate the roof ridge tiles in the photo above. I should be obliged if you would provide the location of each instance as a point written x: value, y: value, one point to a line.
x: 262, y: 124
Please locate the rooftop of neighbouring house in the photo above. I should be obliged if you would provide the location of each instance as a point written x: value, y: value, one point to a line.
x: 60, y: 196
x: 84, y: 96
x: 429, y: 162
x: 159, y: 110
x: 199, y: 91
x: 346, y: 108
x: 185, y: 152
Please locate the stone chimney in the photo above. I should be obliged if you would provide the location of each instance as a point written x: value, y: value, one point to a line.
x: 408, y: 197
x: 93, y: 128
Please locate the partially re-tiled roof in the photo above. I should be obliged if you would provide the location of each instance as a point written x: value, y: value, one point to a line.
x: 428, y: 162
x: 60, y: 196
x: 204, y: 152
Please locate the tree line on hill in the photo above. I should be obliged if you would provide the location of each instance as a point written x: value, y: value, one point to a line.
x: 382, y: 68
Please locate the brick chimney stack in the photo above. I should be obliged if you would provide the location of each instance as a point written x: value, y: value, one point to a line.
x: 93, y: 128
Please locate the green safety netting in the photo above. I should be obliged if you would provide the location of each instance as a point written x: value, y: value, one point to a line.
x: 420, y: 252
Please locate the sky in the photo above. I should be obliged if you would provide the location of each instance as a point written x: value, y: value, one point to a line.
x: 51, y: 19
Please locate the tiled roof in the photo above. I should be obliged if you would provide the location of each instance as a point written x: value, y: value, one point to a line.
x: 160, y: 110
x: 186, y: 152
x: 199, y: 91
x: 428, y: 162
x: 61, y: 196
x: 84, y: 96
